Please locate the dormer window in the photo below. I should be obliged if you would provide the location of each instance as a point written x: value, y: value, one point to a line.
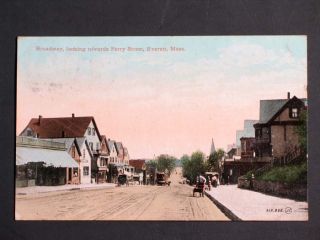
x: 89, y: 131
x: 294, y: 113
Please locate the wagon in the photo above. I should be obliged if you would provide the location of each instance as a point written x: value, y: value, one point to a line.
x: 160, y: 178
x: 122, y: 179
x: 199, y: 188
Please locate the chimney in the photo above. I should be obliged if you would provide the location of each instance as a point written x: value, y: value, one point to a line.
x: 288, y: 94
x: 72, y: 115
x: 40, y: 117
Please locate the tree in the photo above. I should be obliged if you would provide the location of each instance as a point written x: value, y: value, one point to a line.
x: 152, y: 164
x: 193, y: 166
x: 214, y: 159
x: 185, y: 162
x: 301, y: 130
x: 166, y: 163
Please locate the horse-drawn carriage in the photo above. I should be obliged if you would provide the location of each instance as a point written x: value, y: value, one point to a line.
x: 199, y: 188
x: 122, y: 179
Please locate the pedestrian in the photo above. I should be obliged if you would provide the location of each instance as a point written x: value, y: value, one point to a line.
x: 214, y: 181
x: 140, y: 178
x: 202, y: 179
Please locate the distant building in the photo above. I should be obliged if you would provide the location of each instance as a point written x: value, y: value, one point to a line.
x: 247, y: 131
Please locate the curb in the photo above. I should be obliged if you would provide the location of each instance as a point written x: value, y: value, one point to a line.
x: 223, y: 208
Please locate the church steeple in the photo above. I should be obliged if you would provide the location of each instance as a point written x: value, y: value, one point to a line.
x: 212, y: 149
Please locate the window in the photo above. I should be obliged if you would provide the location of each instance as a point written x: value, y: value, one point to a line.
x: 103, y: 162
x: 89, y: 131
x: 93, y: 131
x: 75, y: 172
x: 294, y: 112
x: 84, y: 153
x: 85, y: 171
x: 29, y: 132
x: 98, y: 146
x: 91, y: 146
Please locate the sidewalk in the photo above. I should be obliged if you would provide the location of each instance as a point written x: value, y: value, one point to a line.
x: 246, y: 205
x: 69, y: 187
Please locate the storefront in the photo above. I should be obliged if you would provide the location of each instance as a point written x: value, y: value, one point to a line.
x: 41, y: 166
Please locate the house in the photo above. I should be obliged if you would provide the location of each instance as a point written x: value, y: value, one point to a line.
x: 140, y: 168
x: 138, y: 164
x: 69, y: 127
x: 275, y: 134
x: 101, y: 167
x: 114, y: 166
x: 44, y: 162
x: 86, y: 160
x: 113, y: 154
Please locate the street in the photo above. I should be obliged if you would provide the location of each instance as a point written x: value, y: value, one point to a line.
x: 174, y: 202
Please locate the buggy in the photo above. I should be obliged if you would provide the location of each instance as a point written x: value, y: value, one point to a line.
x: 199, y: 188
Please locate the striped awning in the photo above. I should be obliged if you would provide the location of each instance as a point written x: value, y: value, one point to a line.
x: 49, y: 157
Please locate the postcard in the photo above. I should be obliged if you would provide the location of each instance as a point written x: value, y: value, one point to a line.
x: 170, y: 128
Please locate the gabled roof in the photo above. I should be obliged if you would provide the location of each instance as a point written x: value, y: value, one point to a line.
x: 270, y: 108
x: 137, y: 163
x: 119, y: 147
x: 61, y: 127
x: 83, y: 141
x: 104, y: 140
x: 110, y: 143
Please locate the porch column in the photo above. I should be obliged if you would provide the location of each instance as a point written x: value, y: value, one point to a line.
x: 67, y: 175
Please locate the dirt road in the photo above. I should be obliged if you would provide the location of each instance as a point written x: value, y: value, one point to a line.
x: 121, y: 203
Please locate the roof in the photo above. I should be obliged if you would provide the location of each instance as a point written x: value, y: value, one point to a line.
x: 55, y: 158
x: 119, y: 147
x: 137, y: 163
x: 104, y: 139
x: 110, y: 143
x: 55, y: 127
x: 269, y: 108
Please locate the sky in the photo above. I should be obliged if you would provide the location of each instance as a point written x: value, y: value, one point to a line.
x: 171, y: 102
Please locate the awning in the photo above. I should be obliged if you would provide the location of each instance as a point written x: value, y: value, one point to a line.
x: 55, y: 158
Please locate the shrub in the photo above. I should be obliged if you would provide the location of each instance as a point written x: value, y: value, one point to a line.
x: 287, y: 174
